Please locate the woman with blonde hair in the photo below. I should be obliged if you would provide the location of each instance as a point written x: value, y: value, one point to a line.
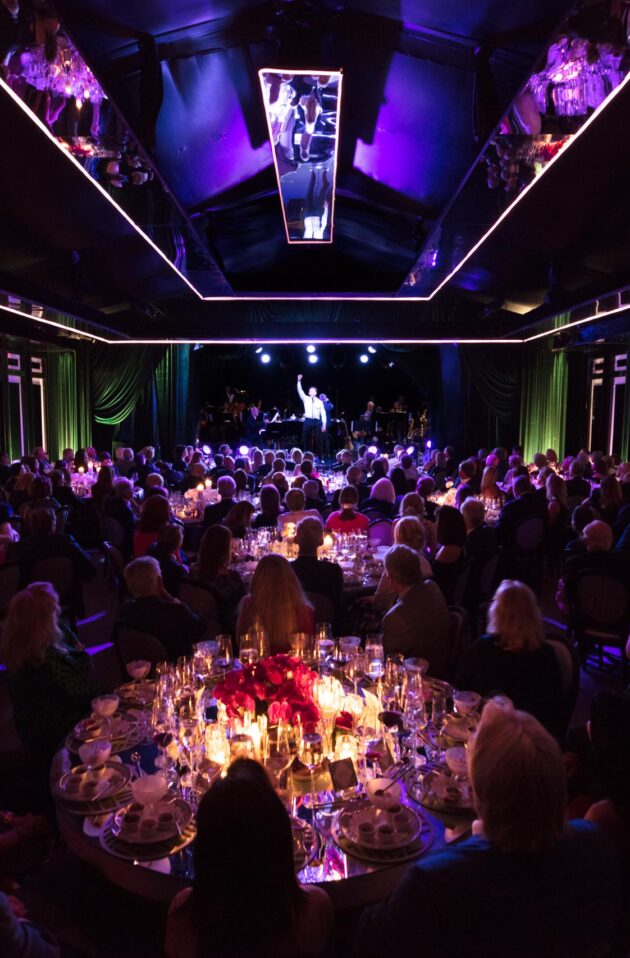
x: 409, y: 531
x: 382, y: 498
x: 489, y: 488
x: 514, y: 659
x: 48, y: 670
x: 277, y: 603
x: 239, y: 519
x: 534, y: 883
x: 413, y: 504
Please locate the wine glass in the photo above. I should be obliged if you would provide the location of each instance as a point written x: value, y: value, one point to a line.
x: 375, y: 655
x: 224, y: 655
x: 300, y: 645
x: 248, y: 649
x: 415, y: 713
x: 311, y: 754
x: 438, y: 717
x: 355, y: 667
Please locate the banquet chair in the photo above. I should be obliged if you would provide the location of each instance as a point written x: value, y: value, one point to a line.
x: 61, y: 574
x: 324, y: 608
x: 599, y: 617
x: 381, y: 530
x: 202, y: 602
x: 9, y: 585
x: 62, y: 519
x: 459, y: 589
x: 116, y: 568
x: 487, y: 579
x: 570, y: 675
x: 458, y: 617
x: 114, y: 532
x: 132, y: 644
x: 525, y: 558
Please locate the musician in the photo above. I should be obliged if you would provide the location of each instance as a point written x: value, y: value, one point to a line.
x: 400, y: 424
x: 328, y: 406
x: 253, y: 424
x: 314, y: 416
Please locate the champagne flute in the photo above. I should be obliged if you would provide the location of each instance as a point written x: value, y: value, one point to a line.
x: 224, y: 656
x: 248, y: 649
x: 311, y: 754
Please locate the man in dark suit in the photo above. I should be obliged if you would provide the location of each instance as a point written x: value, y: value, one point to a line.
x: 119, y: 506
x: 468, y: 476
x: 599, y: 557
x: 217, y: 512
x: 481, y: 540
x: 526, y: 504
x: 317, y: 575
x: 419, y: 624
x: 577, y: 485
x: 152, y: 610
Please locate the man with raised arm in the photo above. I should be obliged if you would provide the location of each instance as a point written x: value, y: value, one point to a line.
x: 314, y: 416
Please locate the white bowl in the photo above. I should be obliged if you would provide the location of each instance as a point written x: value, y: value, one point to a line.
x: 466, y: 702
x: 391, y: 797
x: 457, y: 761
x: 96, y: 752
x: 149, y: 789
x: 105, y: 705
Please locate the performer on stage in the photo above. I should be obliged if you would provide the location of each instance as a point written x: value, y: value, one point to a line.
x: 314, y: 417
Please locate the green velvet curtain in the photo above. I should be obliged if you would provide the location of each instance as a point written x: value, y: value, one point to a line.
x: 172, y: 378
x: 544, y: 398
x: 495, y: 377
x: 119, y: 374
x: 69, y: 413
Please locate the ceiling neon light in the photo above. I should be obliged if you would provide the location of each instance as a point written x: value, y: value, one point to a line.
x: 303, y: 111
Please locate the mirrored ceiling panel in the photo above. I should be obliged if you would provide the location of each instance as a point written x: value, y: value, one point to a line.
x: 41, y: 69
x: 303, y: 116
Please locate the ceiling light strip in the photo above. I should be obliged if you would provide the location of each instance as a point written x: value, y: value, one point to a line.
x: 579, y: 322
x: 51, y: 322
x: 42, y: 126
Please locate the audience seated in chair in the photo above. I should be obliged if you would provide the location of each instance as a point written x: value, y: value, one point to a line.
x: 419, y: 623
x: 156, y: 512
x: 241, y: 822
x: 597, y: 537
x: 212, y: 572
x: 122, y: 507
x: 40, y: 497
x: 513, y: 659
x: 295, y: 503
x: 533, y: 883
x: 276, y: 604
x: 218, y: 511
x: 450, y: 560
x: 317, y: 575
x: 347, y: 518
x: 152, y: 610
x: 167, y: 549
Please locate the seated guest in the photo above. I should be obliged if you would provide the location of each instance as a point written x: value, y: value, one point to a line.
x: 211, y: 570
x: 344, y: 461
x: 21, y: 938
x: 382, y: 499
x: 347, y: 518
x: 419, y: 623
x: 409, y: 469
x: 152, y: 610
x: 450, y: 560
x: 534, y: 884
x: 354, y: 477
x: 312, y: 499
x: 239, y: 519
x: 155, y: 485
x: 266, y: 466
x: 467, y: 476
x: 48, y: 671
x: 608, y: 499
x: 580, y: 518
x: 557, y: 508
x: 267, y: 518
x: 425, y: 488
x: 489, y: 488
x: 125, y: 463
x: 526, y: 504
x: 295, y: 502
x: 437, y: 472
x: 242, y: 481
x: 218, y: 511
x: 609, y: 737
x: 241, y: 822
x: 144, y: 468
x: 167, y: 549
x: 45, y: 543
x: 408, y: 532
x: 62, y: 490
x: 577, y: 485
x: 378, y: 470
x: 481, y: 540
x: 104, y: 485
x: 599, y: 557
x: 513, y: 659
x: 276, y: 603
x: 308, y: 469
x: 122, y: 507
x: 399, y: 482
x: 193, y: 477
x: 156, y: 512
x: 8, y: 535
x: 281, y: 483
x: 39, y: 497
x: 317, y: 575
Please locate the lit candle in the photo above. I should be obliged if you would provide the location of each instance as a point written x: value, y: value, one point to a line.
x: 81, y: 470
x: 208, y: 483
x: 328, y: 543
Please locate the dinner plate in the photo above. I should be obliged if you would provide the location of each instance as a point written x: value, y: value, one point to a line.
x: 85, y: 784
x: 117, y: 727
x: 140, y: 693
x: 458, y: 728
x: 180, y: 814
x: 379, y: 828
x: 437, y: 791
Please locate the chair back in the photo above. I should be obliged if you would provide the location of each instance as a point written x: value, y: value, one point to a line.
x: 9, y: 585
x: 458, y: 618
x: 602, y: 600
x: 573, y: 502
x: 487, y: 579
x: 62, y: 518
x: 381, y: 530
x: 114, y: 531
x: 529, y: 534
x: 459, y: 589
x: 132, y: 644
x: 323, y: 607
x: 116, y: 567
x: 59, y: 571
x: 569, y: 674
x: 202, y: 602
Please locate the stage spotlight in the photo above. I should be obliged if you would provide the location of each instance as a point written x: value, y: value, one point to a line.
x: 313, y: 358
x: 196, y: 347
x: 206, y: 450
x: 373, y: 449
x: 371, y: 350
x: 265, y: 358
x: 364, y: 358
x: 259, y: 350
x: 411, y: 450
x: 428, y: 443
x: 243, y: 450
x: 310, y: 349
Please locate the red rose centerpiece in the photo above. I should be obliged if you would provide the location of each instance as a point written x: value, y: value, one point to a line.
x: 280, y: 686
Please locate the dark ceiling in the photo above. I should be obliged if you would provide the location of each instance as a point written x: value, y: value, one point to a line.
x: 425, y: 82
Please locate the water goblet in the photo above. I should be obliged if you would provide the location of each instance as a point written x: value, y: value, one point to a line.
x: 311, y: 754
